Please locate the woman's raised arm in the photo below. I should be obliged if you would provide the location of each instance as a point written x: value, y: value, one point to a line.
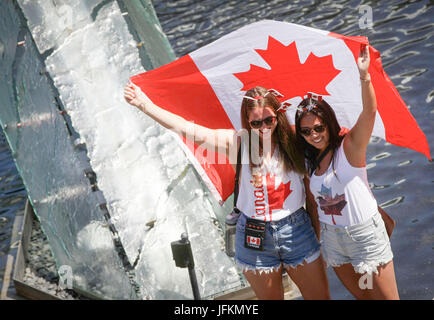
x: 223, y: 139
x: 357, y: 140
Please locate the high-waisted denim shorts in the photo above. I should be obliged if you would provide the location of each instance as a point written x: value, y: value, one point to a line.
x: 365, y: 246
x: 289, y: 241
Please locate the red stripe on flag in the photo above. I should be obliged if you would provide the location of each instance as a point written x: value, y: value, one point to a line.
x: 400, y: 127
x: 221, y: 175
x: 180, y: 87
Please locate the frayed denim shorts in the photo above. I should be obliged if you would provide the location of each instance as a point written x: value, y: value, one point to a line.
x: 366, y: 246
x: 289, y: 241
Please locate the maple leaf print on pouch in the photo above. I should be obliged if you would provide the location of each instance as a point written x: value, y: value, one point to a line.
x: 276, y: 197
x: 331, y: 205
x: 287, y: 75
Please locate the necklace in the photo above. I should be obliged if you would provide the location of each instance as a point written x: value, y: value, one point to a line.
x: 320, y: 157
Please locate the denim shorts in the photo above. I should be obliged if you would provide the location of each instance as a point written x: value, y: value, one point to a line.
x: 288, y: 241
x: 365, y: 246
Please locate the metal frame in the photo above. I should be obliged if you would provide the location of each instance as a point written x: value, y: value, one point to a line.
x: 22, y: 288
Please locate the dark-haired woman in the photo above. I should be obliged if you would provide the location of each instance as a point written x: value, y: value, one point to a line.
x: 274, y: 232
x: 353, y: 235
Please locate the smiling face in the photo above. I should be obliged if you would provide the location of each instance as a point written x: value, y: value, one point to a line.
x: 319, y: 140
x: 258, y: 114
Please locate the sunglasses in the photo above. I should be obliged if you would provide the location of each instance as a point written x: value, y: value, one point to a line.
x: 308, y: 131
x: 256, y: 124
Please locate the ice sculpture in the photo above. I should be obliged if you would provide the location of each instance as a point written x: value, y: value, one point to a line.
x: 145, y: 193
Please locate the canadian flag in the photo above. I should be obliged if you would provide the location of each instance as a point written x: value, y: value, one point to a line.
x: 254, y: 240
x: 207, y: 86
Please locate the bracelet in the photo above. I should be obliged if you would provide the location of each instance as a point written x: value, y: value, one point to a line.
x: 368, y: 78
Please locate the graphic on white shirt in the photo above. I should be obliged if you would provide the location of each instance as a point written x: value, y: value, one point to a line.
x: 276, y: 197
x: 269, y: 192
x: 331, y: 205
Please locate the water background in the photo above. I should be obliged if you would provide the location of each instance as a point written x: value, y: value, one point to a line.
x: 402, y: 180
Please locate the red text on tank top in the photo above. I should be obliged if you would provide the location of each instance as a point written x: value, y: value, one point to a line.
x: 276, y: 197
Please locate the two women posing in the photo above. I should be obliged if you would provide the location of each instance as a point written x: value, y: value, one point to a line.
x: 340, y: 208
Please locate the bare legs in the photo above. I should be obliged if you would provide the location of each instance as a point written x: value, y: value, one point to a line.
x: 267, y: 286
x: 310, y: 278
x: 382, y: 287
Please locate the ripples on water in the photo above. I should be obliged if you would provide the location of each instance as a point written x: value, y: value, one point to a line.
x: 12, y: 199
x: 401, y: 179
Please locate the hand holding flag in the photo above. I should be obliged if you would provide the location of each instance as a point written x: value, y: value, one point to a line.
x: 136, y: 97
x: 363, y: 61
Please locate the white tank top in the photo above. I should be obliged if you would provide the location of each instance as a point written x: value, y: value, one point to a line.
x: 271, y: 193
x: 346, y: 200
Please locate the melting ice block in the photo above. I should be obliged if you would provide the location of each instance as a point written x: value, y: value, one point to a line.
x: 152, y: 192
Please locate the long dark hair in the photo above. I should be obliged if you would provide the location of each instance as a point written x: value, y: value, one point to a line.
x: 322, y: 110
x: 283, y: 135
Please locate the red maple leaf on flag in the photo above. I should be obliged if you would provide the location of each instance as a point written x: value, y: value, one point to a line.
x: 276, y: 197
x: 287, y: 74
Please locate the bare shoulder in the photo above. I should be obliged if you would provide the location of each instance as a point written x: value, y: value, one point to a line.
x: 356, y: 156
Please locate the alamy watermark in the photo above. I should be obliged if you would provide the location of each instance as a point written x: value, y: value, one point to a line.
x: 366, y: 281
x: 221, y: 148
x: 66, y: 17
x: 366, y: 19
x: 66, y: 277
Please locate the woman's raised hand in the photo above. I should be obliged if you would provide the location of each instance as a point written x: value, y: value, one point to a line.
x: 135, y: 96
x: 363, y: 62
